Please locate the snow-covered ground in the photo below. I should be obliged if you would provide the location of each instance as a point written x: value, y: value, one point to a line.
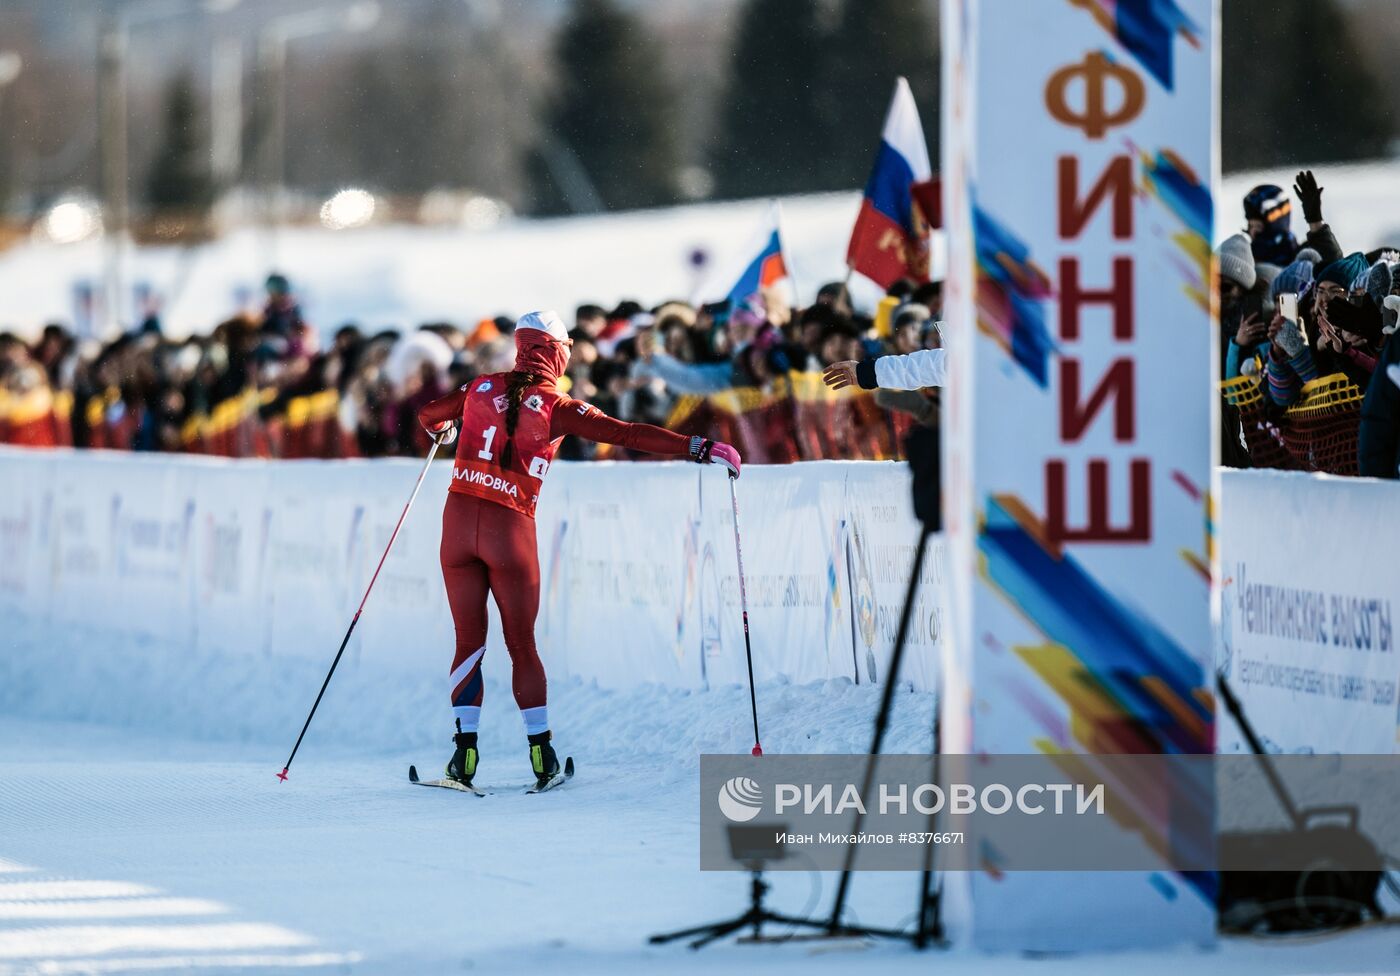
x: 160, y: 838
x: 402, y: 276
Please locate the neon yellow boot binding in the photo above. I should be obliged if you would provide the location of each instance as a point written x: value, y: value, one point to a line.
x: 462, y: 766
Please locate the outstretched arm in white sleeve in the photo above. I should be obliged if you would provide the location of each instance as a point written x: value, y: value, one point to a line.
x: 913, y: 371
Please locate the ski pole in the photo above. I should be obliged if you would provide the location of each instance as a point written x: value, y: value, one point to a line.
x: 432, y: 452
x: 744, y: 606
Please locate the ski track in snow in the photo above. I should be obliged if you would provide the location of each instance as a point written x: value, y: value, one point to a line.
x: 142, y: 828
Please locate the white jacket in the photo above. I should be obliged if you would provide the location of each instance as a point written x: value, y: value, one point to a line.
x: 914, y: 371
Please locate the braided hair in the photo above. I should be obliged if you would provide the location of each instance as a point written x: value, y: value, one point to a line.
x: 517, y: 382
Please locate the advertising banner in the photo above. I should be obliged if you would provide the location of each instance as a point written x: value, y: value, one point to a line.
x: 231, y: 531
x: 1078, y: 164
x: 26, y: 505
x: 1307, y: 621
x: 619, y: 577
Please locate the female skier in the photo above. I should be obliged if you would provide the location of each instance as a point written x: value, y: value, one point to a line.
x: 507, y: 427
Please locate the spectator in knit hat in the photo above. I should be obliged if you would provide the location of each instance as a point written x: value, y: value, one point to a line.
x: 1251, y: 341
x: 1237, y: 274
x: 1237, y: 277
x: 1268, y: 213
x: 1250, y: 338
x: 1236, y: 263
x: 1297, y: 278
x: 1347, y: 338
x: 1334, y: 279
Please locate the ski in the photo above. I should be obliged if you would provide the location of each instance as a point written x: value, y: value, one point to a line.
x: 557, y: 779
x: 446, y: 784
x: 566, y: 774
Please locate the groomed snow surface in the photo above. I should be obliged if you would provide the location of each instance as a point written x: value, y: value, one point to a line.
x: 142, y: 828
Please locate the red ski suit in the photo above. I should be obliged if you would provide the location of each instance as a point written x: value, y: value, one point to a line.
x: 488, y: 523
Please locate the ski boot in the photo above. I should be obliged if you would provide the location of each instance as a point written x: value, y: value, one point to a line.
x: 462, y: 766
x: 544, y: 762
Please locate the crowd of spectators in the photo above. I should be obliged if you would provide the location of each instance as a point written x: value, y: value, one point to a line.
x: 273, y: 384
x: 1310, y: 373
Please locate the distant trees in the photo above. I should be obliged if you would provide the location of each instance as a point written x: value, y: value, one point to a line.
x: 589, y: 119
x: 179, y: 180
x: 807, y: 91
x: 610, y: 115
x: 875, y: 41
x: 404, y: 127
x: 773, y: 128
x: 1295, y: 88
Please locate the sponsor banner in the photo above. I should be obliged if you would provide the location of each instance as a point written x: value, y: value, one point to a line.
x: 26, y: 503
x: 827, y: 562
x: 879, y: 546
x: 231, y: 535
x: 1307, y: 622
x: 788, y: 568
x: 406, y: 624
x: 152, y: 524
x: 315, y: 532
x: 1079, y: 160
x: 1003, y: 814
x: 621, y: 577
x: 82, y: 580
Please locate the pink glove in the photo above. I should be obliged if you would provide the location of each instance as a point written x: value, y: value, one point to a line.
x: 726, y: 455
x: 705, y: 451
x: 444, y: 433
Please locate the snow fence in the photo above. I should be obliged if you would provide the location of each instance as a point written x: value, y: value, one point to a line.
x: 256, y: 567
x: 130, y: 582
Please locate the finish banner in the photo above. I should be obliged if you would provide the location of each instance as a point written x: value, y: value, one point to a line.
x: 1078, y: 164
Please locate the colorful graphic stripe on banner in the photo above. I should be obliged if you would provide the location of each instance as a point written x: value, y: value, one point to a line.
x: 1011, y: 291
x: 1147, y: 29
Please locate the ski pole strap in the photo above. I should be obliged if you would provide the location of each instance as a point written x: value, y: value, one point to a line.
x: 700, y: 448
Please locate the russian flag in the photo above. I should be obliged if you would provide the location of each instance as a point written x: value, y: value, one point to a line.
x: 765, y: 270
x: 763, y: 266
x: 890, y: 238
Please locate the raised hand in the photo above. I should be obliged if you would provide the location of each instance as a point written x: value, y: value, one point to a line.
x: 1310, y: 194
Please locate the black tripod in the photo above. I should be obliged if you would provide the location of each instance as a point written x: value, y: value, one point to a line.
x: 753, y: 918
x: 922, y: 447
